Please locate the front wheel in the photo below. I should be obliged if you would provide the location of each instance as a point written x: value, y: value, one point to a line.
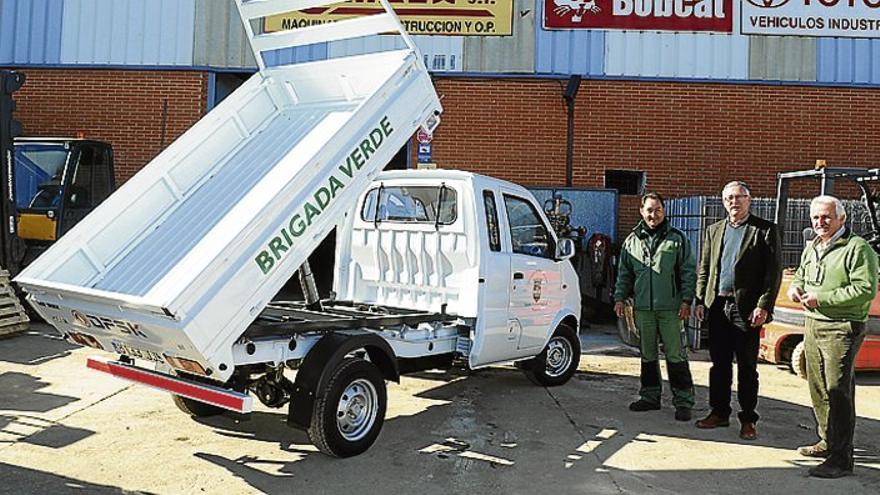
x: 558, y: 361
x: 348, y: 417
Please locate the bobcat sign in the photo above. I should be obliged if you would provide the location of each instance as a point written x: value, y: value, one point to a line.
x: 667, y: 15
x: 844, y: 18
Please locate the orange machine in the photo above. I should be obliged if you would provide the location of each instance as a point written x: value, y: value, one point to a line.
x: 782, y: 339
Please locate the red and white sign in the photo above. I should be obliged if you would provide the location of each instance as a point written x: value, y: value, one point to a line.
x: 652, y: 15
x: 423, y: 136
x: 845, y: 18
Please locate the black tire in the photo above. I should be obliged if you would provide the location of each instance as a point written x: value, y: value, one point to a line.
x: 558, y: 361
x: 348, y: 417
x: 799, y: 360
x: 195, y: 408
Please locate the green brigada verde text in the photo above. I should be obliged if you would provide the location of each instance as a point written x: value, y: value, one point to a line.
x: 300, y: 222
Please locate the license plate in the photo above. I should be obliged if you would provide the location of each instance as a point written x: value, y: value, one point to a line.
x: 133, y: 352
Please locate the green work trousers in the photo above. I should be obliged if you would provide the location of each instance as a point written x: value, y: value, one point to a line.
x: 831, y: 348
x: 655, y: 326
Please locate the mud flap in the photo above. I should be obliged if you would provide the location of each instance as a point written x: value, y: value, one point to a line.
x: 322, y: 359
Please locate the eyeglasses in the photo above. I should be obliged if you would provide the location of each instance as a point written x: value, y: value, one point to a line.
x: 733, y: 197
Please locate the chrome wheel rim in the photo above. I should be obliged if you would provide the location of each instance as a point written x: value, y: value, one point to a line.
x: 559, y: 357
x: 357, y: 409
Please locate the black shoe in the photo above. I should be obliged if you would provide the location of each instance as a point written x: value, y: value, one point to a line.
x: 830, y: 470
x: 643, y: 405
x: 817, y: 450
x: 682, y: 413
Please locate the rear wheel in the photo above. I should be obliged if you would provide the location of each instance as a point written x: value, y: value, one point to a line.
x: 558, y: 361
x: 799, y: 361
x: 348, y: 417
x: 195, y: 408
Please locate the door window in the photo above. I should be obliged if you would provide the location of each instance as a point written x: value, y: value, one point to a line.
x: 492, y: 221
x: 38, y: 174
x: 102, y: 175
x: 528, y: 234
x: 81, y: 184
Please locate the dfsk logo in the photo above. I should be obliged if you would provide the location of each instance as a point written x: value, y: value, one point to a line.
x: 109, y: 324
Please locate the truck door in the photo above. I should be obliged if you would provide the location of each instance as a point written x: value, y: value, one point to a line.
x: 496, y: 338
x: 90, y: 181
x: 535, y: 282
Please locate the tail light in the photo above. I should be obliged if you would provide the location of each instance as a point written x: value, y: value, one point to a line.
x: 186, y: 365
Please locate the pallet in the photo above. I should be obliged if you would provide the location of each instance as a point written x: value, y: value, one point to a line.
x: 13, y: 318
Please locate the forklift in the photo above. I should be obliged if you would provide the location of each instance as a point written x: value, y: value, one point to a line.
x: 782, y: 339
x: 47, y: 185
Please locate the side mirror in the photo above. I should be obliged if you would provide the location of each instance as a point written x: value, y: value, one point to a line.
x: 564, y: 249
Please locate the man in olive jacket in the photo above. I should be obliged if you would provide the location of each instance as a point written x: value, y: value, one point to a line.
x: 740, y: 273
x: 836, y: 283
x: 657, y: 269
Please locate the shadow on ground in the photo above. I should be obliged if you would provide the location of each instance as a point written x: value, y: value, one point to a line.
x: 40, y: 344
x: 575, y: 440
x: 14, y: 477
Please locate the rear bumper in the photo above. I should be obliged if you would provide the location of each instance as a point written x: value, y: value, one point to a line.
x: 217, y: 396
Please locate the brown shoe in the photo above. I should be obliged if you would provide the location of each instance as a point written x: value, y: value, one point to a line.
x: 713, y: 421
x: 816, y: 450
x: 748, y: 431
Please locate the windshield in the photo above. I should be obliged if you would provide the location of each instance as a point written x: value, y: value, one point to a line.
x: 38, y: 175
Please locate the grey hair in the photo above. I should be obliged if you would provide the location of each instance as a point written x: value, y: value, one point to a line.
x: 829, y: 200
x: 737, y: 183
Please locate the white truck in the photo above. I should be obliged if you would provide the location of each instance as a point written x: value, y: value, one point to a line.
x: 181, y: 264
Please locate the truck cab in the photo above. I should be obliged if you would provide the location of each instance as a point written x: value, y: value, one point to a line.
x: 465, y: 243
x: 58, y: 181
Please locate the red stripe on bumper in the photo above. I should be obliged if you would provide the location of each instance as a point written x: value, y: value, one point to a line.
x: 227, y: 399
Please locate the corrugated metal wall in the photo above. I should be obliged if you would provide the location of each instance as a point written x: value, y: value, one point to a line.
x: 568, y: 52
x: 441, y: 53
x: 784, y: 58
x: 128, y: 32
x: 30, y: 31
x: 684, y: 55
x: 219, y: 36
x: 842, y: 60
x: 514, y: 53
x: 207, y: 33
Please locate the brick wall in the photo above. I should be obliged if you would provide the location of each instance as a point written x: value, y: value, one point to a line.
x: 122, y: 107
x: 690, y: 138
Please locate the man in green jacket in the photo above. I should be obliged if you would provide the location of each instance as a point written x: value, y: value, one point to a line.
x: 657, y: 269
x: 835, y: 282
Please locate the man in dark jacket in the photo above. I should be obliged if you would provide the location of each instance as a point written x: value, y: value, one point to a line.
x: 657, y: 269
x: 740, y: 273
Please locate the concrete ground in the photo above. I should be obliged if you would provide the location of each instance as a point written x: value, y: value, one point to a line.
x: 66, y: 429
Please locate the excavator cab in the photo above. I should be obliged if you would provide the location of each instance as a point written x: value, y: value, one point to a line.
x: 58, y: 181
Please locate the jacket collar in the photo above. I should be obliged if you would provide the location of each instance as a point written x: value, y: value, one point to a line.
x: 642, y: 231
x: 840, y: 241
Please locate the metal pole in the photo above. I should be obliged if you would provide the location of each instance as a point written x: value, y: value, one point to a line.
x: 574, y: 83
x: 309, y: 288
